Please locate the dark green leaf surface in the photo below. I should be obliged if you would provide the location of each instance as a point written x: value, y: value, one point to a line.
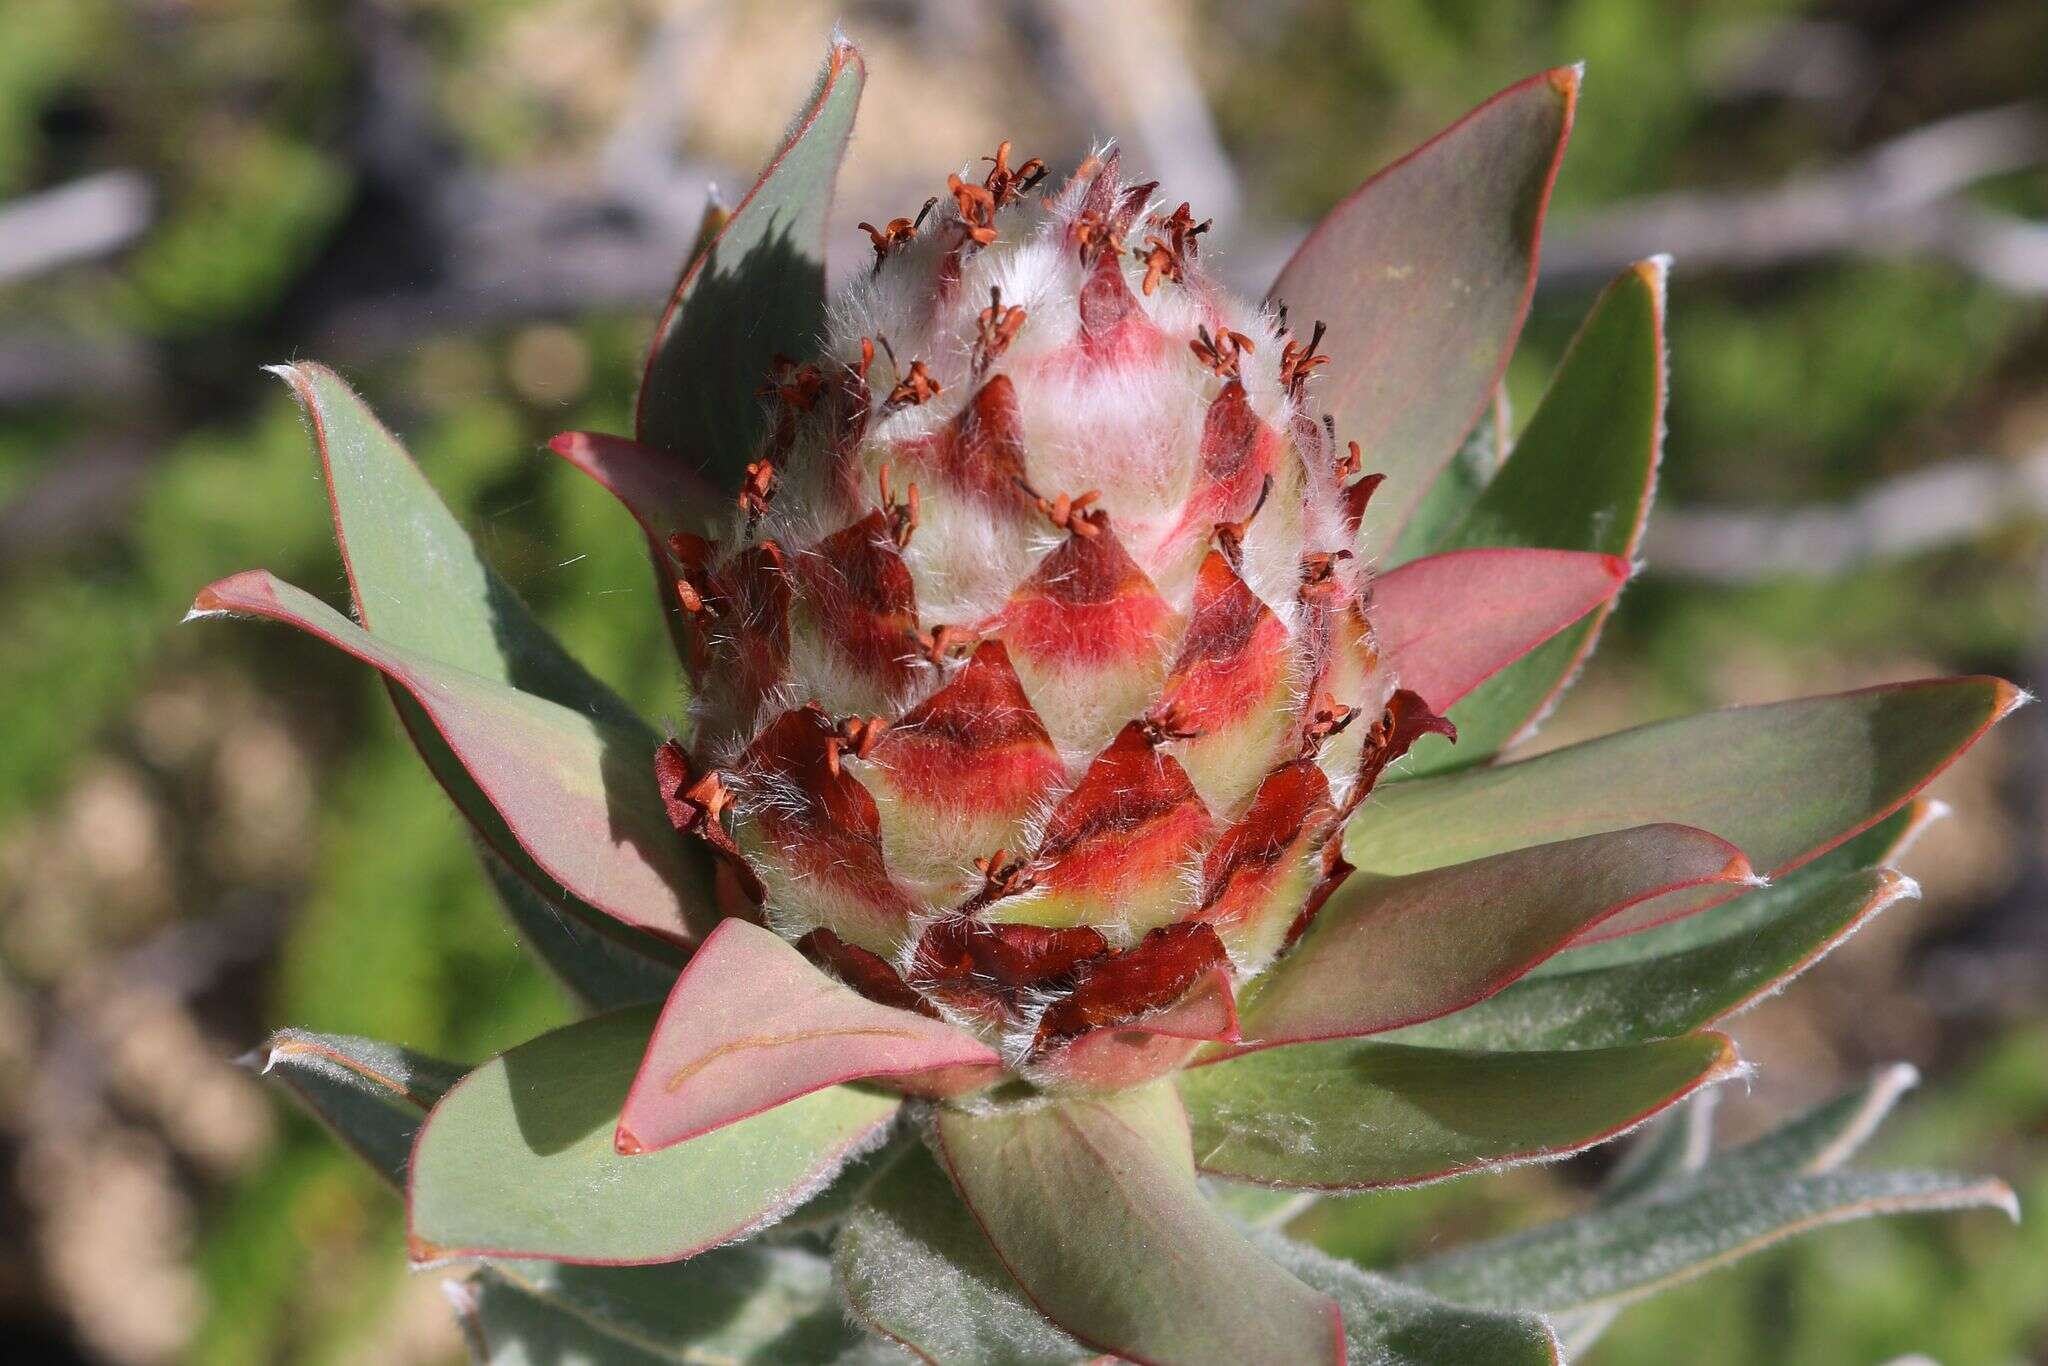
x: 1580, y: 478
x: 372, y: 1095
x: 518, y: 1159
x: 757, y: 290
x: 1661, y: 997
x: 595, y: 967
x: 1389, y: 951
x: 738, y: 1306
x: 1092, y: 1205
x: 1782, y: 782
x: 1387, y: 1323
x: 577, y: 789
x: 419, y: 582
x: 1353, y: 1115
x: 1623, y: 1253
x: 916, y: 1269
x: 1424, y: 276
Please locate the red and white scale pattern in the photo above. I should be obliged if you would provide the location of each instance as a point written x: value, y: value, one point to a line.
x: 1037, y: 768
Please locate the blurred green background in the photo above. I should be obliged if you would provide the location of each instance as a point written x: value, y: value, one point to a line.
x: 474, y: 207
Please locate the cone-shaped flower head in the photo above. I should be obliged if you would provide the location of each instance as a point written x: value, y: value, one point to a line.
x: 1034, y: 660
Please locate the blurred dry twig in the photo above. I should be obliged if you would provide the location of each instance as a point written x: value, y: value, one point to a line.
x: 1902, y: 197
x: 1954, y: 501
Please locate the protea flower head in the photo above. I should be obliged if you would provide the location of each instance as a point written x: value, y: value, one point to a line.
x: 1063, y: 828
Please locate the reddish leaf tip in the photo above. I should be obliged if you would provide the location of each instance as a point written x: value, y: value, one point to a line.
x: 626, y: 1143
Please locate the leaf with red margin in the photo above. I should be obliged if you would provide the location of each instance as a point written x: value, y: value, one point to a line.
x: 1447, y: 623
x: 419, y: 582
x: 576, y: 790
x: 517, y: 1160
x: 371, y: 1095
x: 1391, y: 951
x: 1580, y: 478
x: 1424, y: 275
x: 1091, y: 1204
x: 663, y: 496
x: 752, y: 1025
x: 661, y: 493
x: 1147, y: 1045
x: 1782, y: 782
x: 1354, y: 1114
x: 1662, y: 996
x: 757, y: 290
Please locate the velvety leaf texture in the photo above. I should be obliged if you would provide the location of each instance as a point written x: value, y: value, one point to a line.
x: 1423, y: 291
x: 916, y: 1269
x: 586, y: 958
x: 518, y: 1160
x: 1354, y: 1115
x: 744, y: 1306
x: 1387, y: 1323
x: 1637, y: 1249
x: 372, y: 1095
x: 1068, y: 1193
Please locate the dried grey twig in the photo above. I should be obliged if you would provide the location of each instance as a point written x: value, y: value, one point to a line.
x: 1903, y: 197
x: 1941, y: 505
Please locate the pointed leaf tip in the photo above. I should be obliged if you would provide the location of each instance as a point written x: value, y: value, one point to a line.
x: 717, y: 1056
x: 1454, y: 222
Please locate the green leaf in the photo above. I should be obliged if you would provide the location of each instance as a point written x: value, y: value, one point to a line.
x: 1389, y: 951
x: 1782, y: 782
x: 1668, y: 995
x: 518, y: 1159
x: 1424, y: 276
x: 916, y: 1269
x: 1092, y: 1205
x: 1673, y: 1146
x: 1623, y: 1253
x: 1256, y: 1206
x: 1353, y: 1115
x: 1580, y: 478
x: 1876, y: 846
x: 1676, y: 1150
x: 1387, y: 1323
x: 1823, y: 1138
x: 372, y: 1095
x: 749, y: 1305
x: 756, y: 290
x: 419, y: 583
x: 577, y: 789
x: 595, y: 968
x: 1454, y: 491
